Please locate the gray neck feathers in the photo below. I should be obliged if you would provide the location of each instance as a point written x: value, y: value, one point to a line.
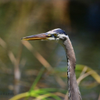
x: 73, y: 90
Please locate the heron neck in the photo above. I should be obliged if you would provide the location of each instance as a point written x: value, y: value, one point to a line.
x: 73, y: 90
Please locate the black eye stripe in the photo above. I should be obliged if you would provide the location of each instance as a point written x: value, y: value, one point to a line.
x: 60, y: 31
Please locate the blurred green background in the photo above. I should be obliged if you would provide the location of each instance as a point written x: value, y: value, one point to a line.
x: 20, y: 64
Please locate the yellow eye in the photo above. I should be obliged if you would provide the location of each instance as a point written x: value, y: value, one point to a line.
x: 49, y: 34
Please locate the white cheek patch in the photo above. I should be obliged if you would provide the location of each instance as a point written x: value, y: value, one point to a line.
x: 62, y: 36
x: 52, y: 38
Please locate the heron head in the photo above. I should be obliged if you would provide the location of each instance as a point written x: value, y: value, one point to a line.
x: 55, y: 34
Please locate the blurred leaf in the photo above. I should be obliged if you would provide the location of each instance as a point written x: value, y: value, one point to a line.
x: 40, y: 94
x: 90, y: 71
x: 80, y: 68
x: 48, y: 95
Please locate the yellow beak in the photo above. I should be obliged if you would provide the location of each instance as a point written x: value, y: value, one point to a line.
x: 42, y: 36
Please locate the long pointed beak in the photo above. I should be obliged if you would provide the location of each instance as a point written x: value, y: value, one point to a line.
x: 42, y: 36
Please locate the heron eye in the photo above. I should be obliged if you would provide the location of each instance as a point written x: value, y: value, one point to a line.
x: 55, y: 35
x: 49, y: 35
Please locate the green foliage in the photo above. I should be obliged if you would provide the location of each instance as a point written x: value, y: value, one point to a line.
x: 41, y: 94
x: 47, y: 93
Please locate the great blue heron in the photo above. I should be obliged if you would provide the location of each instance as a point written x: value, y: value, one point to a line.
x: 59, y: 34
